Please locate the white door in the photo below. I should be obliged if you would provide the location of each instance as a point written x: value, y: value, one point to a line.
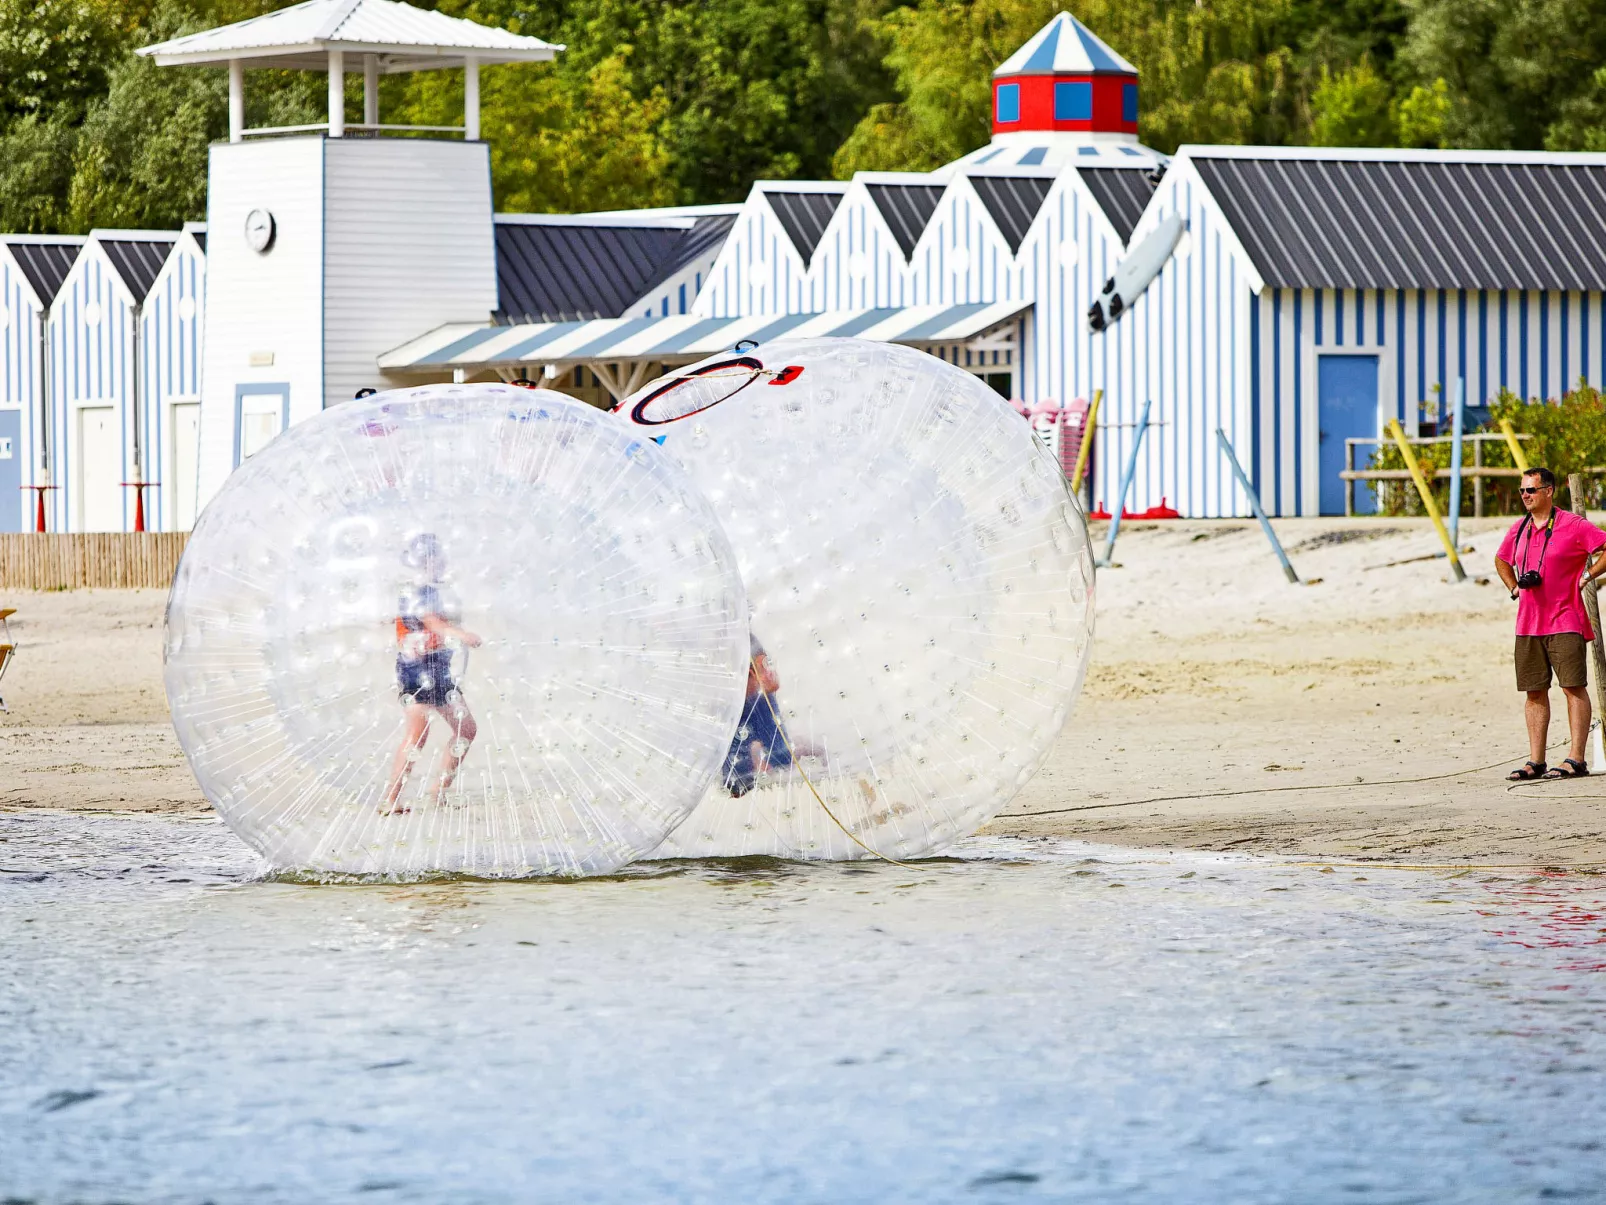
x: 100, y: 476
x: 261, y: 418
x: 183, y: 464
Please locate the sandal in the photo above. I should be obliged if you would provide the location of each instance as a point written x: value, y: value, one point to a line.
x: 1579, y: 770
x: 1529, y: 771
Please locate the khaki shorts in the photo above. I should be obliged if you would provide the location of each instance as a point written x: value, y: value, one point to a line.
x: 1536, y: 656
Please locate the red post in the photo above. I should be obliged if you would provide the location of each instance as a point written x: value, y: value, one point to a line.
x: 139, y: 488
x: 39, y: 514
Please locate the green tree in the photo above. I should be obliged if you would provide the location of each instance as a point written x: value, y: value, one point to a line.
x: 1518, y: 73
x: 558, y: 146
x: 35, y: 174
x: 1352, y: 108
x: 1210, y: 73
x: 54, y: 56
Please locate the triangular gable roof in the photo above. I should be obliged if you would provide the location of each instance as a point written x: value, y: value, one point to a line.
x: 302, y: 35
x: 1012, y: 202
x: 906, y: 209
x: 44, y: 261
x: 804, y: 216
x: 1063, y: 46
x: 1122, y: 193
x: 137, y: 256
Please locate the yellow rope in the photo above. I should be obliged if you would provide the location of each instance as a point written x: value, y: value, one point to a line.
x: 803, y: 774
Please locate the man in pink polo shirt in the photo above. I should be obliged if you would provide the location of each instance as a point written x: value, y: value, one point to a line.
x: 1544, y: 562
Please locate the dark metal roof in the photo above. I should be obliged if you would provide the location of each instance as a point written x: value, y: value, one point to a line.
x: 804, y: 216
x: 46, y: 264
x: 907, y: 208
x: 557, y: 272
x: 1412, y: 224
x: 1122, y: 193
x: 1013, y: 202
x: 138, y: 261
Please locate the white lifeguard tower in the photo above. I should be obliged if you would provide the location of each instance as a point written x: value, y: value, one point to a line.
x: 333, y: 242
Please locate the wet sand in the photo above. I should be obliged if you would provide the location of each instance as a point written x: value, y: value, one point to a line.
x: 1225, y: 709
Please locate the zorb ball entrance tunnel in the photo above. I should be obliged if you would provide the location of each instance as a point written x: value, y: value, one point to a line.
x: 920, y: 589
x: 461, y: 628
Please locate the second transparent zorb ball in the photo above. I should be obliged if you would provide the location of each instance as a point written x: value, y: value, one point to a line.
x: 466, y: 628
x: 921, y: 595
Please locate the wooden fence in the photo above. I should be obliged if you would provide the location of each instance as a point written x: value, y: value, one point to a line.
x: 104, y: 559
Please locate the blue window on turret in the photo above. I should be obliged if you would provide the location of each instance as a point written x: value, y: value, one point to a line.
x: 1008, y: 103
x: 1129, y: 102
x: 1073, y: 102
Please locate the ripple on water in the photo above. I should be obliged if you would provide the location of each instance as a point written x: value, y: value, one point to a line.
x: 177, y: 1026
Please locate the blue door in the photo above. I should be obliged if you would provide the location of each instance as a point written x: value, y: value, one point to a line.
x: 1346, y: 404
x: 11, y: 499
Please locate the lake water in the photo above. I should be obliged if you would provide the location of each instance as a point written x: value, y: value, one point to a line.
x: 1026, y: 1021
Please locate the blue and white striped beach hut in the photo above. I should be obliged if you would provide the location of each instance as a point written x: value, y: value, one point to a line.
x: 171, y: 338
x: 1319, y: 292
x: 32, y: 268
x: 100, y: 433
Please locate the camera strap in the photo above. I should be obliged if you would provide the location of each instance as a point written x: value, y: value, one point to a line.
x: 1550, y: 528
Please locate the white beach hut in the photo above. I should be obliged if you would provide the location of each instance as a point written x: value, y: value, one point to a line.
x: 100, y: 433
x: 32, y: 268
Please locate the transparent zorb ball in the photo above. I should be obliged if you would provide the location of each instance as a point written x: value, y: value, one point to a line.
x: 466, y: 629
x: 921, y: 590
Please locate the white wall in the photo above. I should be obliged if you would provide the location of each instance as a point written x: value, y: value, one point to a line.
x: 409, y: 246
x: 267, y: 306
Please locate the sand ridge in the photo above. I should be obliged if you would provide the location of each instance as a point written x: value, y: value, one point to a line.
x: 1224, y: 708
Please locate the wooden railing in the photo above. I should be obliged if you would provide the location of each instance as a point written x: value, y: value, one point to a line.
x: 101, y: 559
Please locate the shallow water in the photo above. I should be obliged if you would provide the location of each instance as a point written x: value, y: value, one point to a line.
x: 1029, y: 1021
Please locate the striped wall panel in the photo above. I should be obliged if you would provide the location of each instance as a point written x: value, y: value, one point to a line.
x: 20, y: 389
x: 171, y: 323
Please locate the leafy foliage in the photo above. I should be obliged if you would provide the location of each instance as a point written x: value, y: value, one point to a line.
x: 678, y: 101
x: 1568, y: 435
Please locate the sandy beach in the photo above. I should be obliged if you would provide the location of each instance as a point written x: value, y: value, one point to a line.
x: 1370, y: 716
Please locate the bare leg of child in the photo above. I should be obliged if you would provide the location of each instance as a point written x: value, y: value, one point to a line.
x: 464, y: 730
x: 415, y: 731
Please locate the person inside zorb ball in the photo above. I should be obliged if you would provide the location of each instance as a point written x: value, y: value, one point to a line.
x: 920, y: 590
x: 322, y: 619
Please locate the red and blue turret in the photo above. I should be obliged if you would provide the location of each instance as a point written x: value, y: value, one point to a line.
x: 1066, y: 80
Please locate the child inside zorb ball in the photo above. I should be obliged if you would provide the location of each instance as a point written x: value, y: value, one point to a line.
x: 321, y: 619
x: 425, y: 622
x: 915, y: 566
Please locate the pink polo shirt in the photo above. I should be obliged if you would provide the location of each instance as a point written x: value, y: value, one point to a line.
x: 1555, y: 606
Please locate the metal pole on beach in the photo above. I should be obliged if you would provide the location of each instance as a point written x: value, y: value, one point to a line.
x: 1126, y: 484
x: 1431, y: 506
x: 1455, y: 461
x: 1254, y: 504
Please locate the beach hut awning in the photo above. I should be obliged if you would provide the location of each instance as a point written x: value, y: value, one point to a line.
x: 472, y: 347
x: 403, y: 37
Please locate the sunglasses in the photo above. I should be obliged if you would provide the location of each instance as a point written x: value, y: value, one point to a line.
x: 1532, y: 489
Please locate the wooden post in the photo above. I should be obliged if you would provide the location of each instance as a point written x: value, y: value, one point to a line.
x: 1428, y: 503
x: 337, y: 94
x: 1477, y: 478
x: 1349, y: 482
x: 1597, y: 656
x: 236, y: 100
x: 1086, y: 446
